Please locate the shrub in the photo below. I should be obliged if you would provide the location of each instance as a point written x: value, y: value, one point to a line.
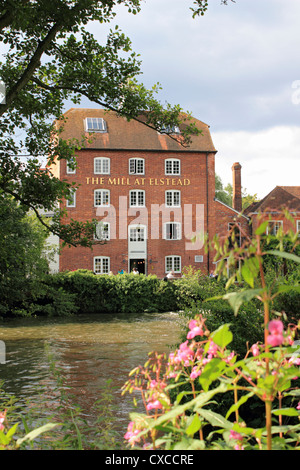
x: 115, y: 294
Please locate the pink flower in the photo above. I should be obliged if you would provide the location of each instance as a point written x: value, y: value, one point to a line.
x: 235, y: 435
x: 158, y: 385
x: 132, y: 434
x: 185, y: 353
x: 193, y: 324
x: 153, y: 383
x: 238, y: 447
x: 275, y: 327
x: 195, y: 373
x: 295, y: 361
x: 229, y: 358
x: 212, y: 350
x: 255, y: 349
x: 2, y: 419
x: 276, y: 330
x: 154, y: 405
x: 298, y: 406
x: 195, y: 330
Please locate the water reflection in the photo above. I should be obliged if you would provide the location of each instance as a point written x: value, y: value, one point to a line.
x: 88, y: 350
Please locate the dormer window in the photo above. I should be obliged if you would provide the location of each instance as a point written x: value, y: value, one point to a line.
x: 169, y: 130
x: 95, y: 125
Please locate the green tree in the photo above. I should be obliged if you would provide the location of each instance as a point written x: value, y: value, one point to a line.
x: 50, y: 58
x: 22, y: 262
x: 221, y: 193
x: 224, y: 194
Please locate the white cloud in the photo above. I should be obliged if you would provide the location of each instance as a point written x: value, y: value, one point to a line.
x: 234, y: 69
x: 269, y: 158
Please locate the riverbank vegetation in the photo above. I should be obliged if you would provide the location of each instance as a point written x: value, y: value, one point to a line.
x: 207, y: 396
x: 238, y: 307
x: 233, y: 382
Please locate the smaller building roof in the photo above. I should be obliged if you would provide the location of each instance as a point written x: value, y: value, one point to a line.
x: 280, y: 198
x: 129, y: 135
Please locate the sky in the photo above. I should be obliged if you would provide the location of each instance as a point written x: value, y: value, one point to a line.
x: 237, y: 68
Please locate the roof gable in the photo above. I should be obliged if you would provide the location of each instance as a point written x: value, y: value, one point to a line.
x: 280, y: 198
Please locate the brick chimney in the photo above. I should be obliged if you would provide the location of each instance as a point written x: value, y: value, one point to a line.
x: 237, y: 187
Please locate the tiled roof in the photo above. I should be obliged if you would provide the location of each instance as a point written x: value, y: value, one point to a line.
x: 131, y: 135
x: 281, y: 197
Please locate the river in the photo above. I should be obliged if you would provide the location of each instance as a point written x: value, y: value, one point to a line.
x: 87, y: 349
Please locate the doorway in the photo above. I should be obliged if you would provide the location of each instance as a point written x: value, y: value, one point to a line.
x: 139, y: 264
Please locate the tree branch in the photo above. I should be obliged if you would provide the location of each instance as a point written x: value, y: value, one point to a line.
x: 101, y: 103
x: 31, y: 67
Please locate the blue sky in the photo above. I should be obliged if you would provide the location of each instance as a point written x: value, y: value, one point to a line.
x: 236, y: 69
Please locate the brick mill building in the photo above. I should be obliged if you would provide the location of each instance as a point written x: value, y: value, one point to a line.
x: 151, y: 196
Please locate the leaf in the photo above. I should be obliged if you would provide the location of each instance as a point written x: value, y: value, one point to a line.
x: 283, y: 254
x: 222, y: 336
x: 194, y: 426
x: 187, y: 444
x: 250, y: 269
x: 212, y: 371
x: 12, y: 430
x: 196, y: 403
x: 236, y: 299
x: 240, y: 402
x: 215, y: 419
x: 36, y: 432
x: 262, y: 228
x: 283, y: 288
x: 286, y: 412
x: 293, y: 393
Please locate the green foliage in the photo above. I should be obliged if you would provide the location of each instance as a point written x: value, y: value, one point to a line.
x: 51, y: 58
x: 224, y: 194
x: 112, y: 294
x: 22, y: 261
x: 198, y: 293
x: 182, y: 392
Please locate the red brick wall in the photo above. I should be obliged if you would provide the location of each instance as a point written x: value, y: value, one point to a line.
x: 225, y: 216
x: 287, y: 224
x: 195, y: 169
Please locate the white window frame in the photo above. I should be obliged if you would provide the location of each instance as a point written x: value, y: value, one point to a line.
x: 98, y: 124
x: 165, y: 129
x: 276, y: 225
x: 170, y: 263
x: 69, y: 170
x: 172, y: 162
x: 135, y: 232
x: 172, y: 193
x: 102, y: 231
x: 102, y: 192
x: 133, y: 166
x: 102, y: 262
x: 72, y: 201
x: 136, y: 192
x: 100, y: 162
x: 169, y: 232
x: 298, y: 227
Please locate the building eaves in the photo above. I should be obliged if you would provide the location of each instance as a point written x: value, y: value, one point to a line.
x: 231, y: 208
